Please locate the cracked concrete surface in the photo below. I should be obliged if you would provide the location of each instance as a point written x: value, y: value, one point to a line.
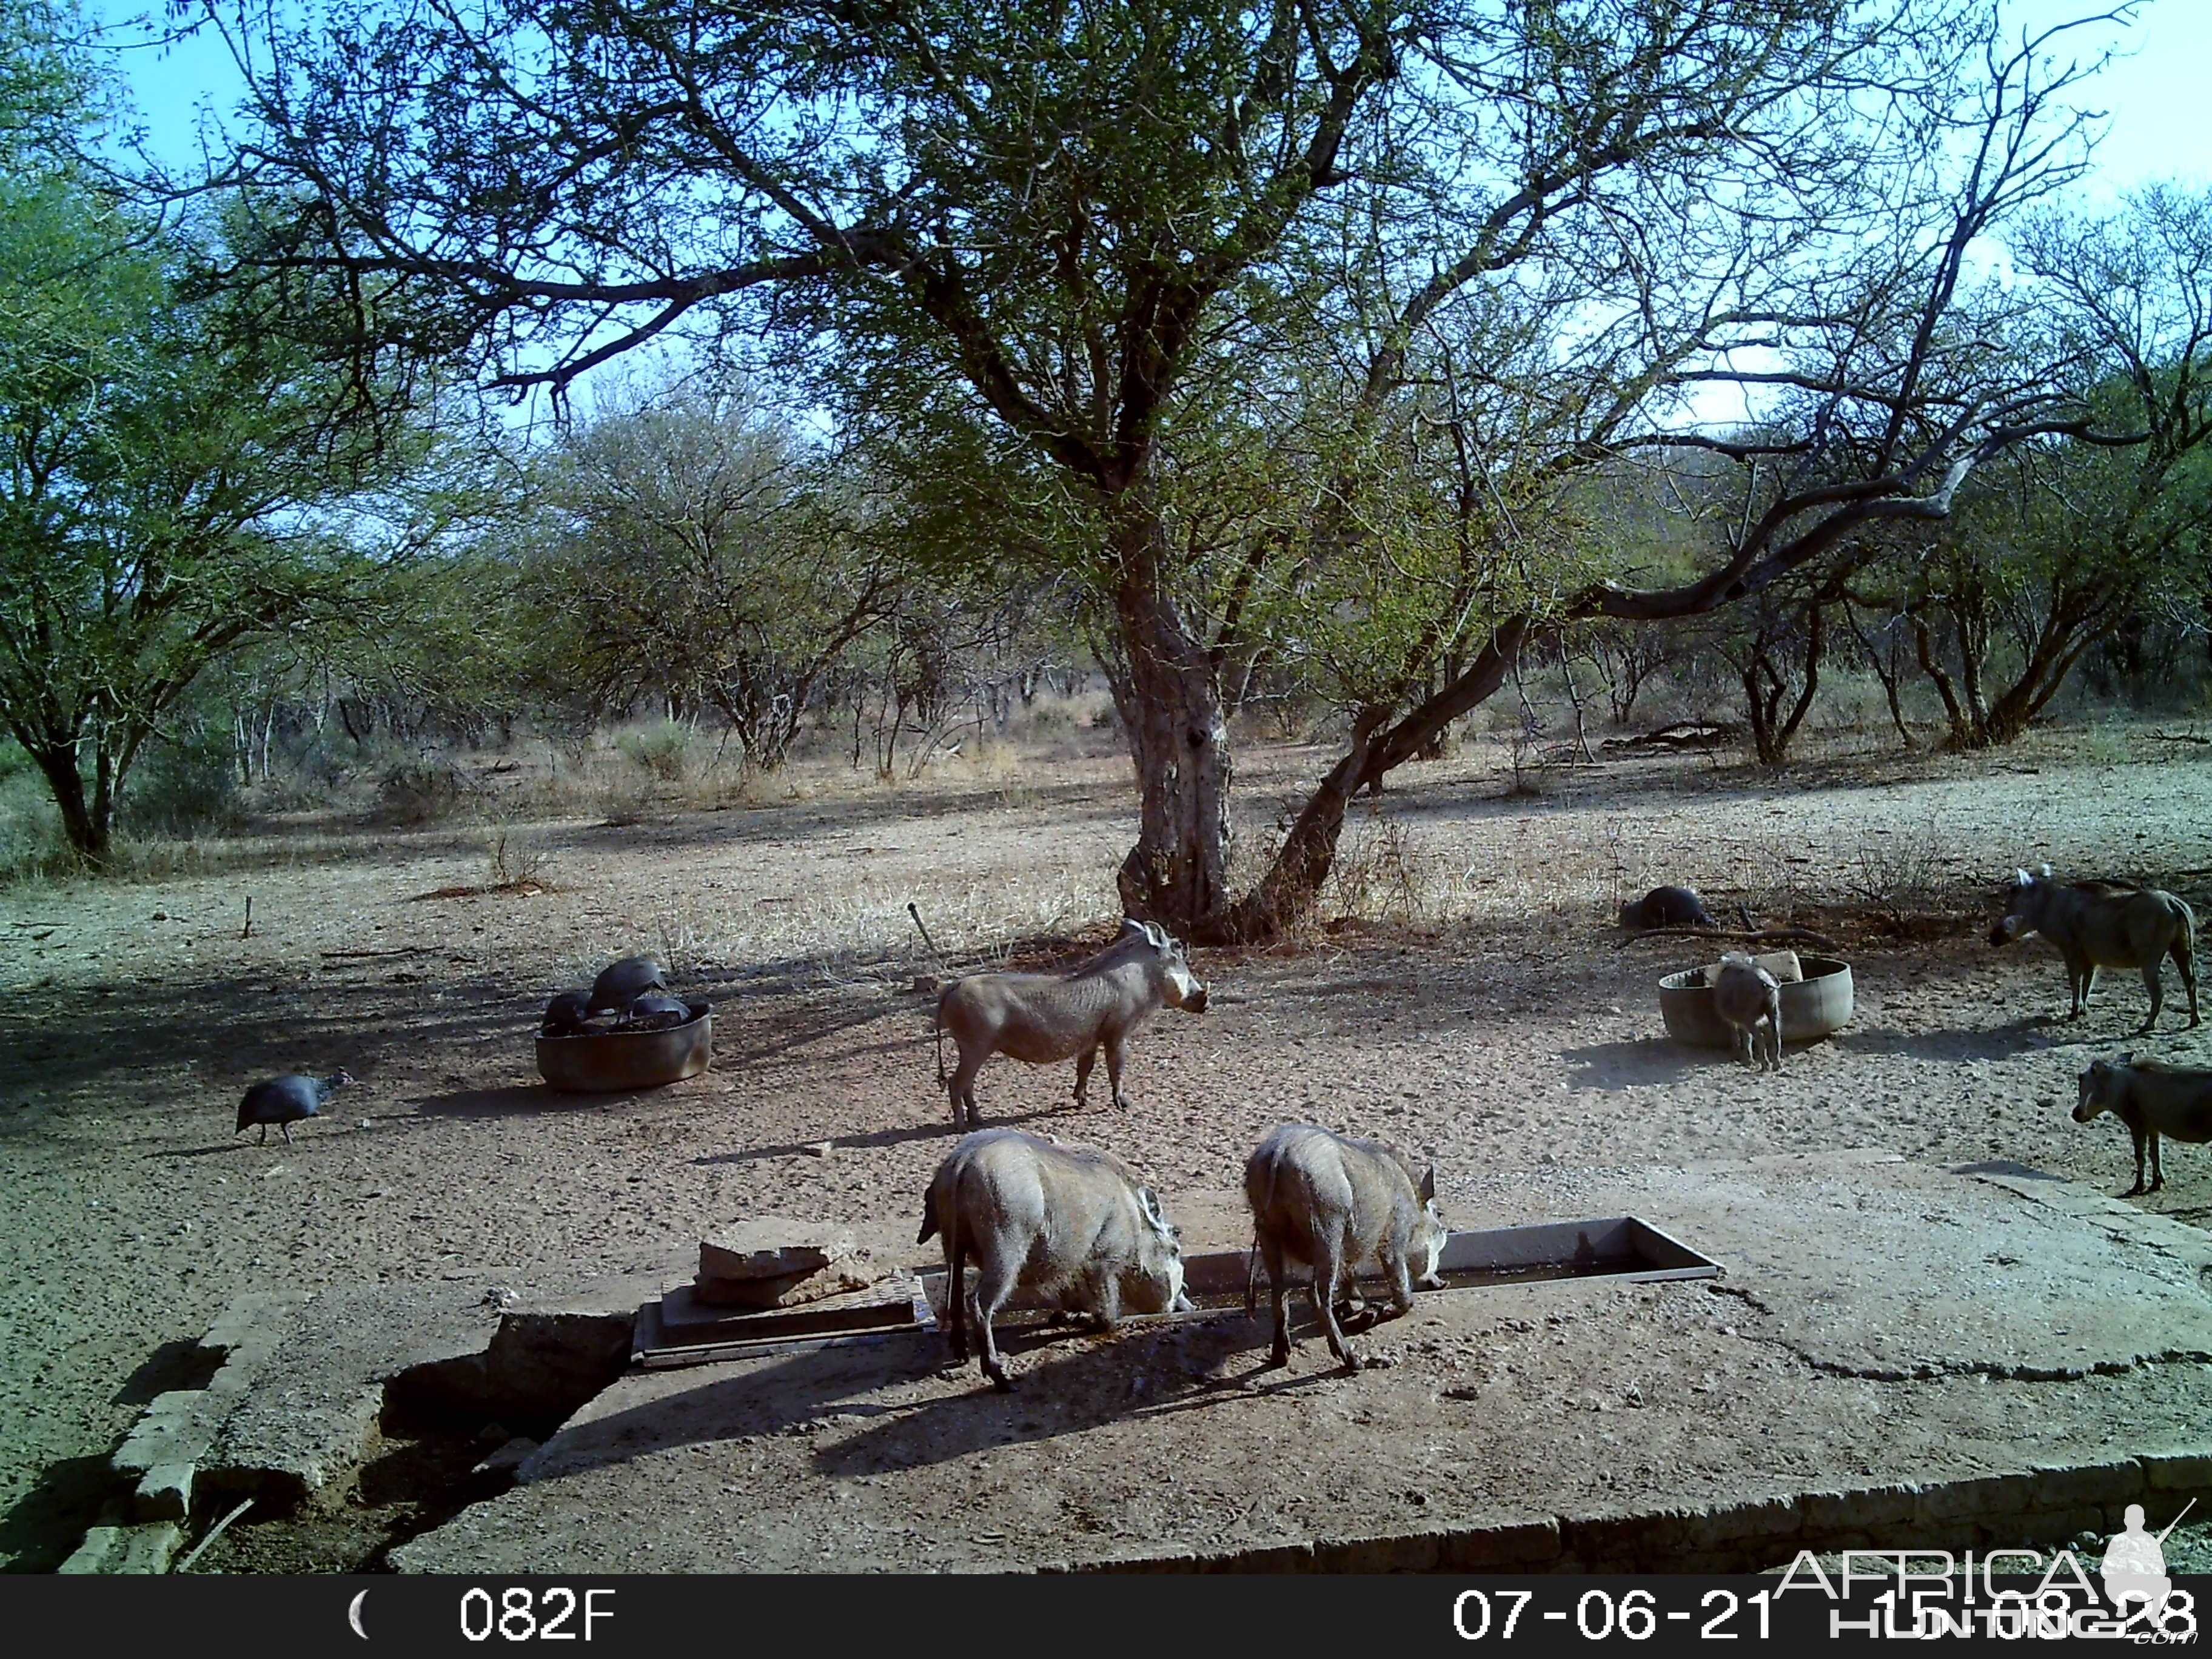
x: 1884, y: 1329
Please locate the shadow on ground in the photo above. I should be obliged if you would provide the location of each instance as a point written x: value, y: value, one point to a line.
x: 42, y: 1529
x: 1634, y: 1064
x: 1160, y: 1371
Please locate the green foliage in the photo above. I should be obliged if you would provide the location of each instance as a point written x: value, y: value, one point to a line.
x: 664, y: 751
x: 185, y: 784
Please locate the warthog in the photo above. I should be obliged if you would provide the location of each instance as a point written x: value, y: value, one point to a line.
x: 1334, y: 1203
x: 1748, y: 1000
x: 2095, y: 925
x: 1068, y: 1221
x: 2153, y: 1099
x: 1667, y: 907
x: 1045, y: 1017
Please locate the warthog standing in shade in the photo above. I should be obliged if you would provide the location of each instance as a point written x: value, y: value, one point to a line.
x: 1045, y: 1017
x: 2153, y: 1099
x: 1748, y: 1000
x: 1036, y: 1215
x: 1333, y: 1204
x: 2095, y: 925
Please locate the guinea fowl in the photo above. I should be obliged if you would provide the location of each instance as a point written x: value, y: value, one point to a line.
x: 653, y: 1011
x: 621, y: 983
x: 285, y: 1100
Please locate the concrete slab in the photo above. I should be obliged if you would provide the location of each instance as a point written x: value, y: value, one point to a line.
x: 309, y: 1420
x: 1896, y: 1355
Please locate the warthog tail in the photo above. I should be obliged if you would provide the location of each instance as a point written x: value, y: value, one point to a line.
x: 928, y: 1215
x: 937, y: 1032
x: 1252, y: 1276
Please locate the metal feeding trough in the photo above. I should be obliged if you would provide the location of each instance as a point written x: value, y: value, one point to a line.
x: 1617, y: 1247
x: 604, y: 1062
x: 1814, y: 1006
x: 677, y: 1330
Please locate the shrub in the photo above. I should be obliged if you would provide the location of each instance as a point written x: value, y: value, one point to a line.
x: 423, y: 791
x: 183, y: 786
x: 663, y: 751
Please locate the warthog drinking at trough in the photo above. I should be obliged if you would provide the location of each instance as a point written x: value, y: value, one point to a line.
x: 1036, y: 1215
x: 2096, y: 925
x: 1045, y: 1017
x: 1748, y: 1000
x: 1334, y: 1203
x: 2153, y: 1099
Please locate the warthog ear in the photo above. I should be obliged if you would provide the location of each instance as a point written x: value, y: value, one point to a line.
x: 1148, y: 1202
x: 1130, y: 925
x: 1159, y: 936
x: 1428, y: 1190
x: 2044, y: 870
x: 2021, y: 879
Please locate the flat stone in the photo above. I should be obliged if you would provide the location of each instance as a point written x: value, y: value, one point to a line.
x: 165, y: 1493
x: 771, y: 1246
x: 147, y: 1549
x: 786, y: 1290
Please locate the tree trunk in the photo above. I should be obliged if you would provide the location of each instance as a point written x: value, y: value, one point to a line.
x: 1302, y: 863
x: 1171, y: 705
x: 87, y: 824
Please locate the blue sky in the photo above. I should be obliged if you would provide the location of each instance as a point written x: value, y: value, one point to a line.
x: 2155, y: 95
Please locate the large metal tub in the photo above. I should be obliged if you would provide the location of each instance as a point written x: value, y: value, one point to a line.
x: 605, y: 1062
x: 1815, y: 1006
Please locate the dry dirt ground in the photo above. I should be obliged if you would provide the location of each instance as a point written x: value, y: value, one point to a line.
x: 1481, y: 1011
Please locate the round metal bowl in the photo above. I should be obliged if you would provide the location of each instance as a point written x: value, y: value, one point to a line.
x: 1813, y: 1007
x: 604, y: 1062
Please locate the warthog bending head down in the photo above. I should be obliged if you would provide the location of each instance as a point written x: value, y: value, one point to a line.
x: 1334, y: 1203
x: 2095, y: 925
x: 1046, y: 1017
x: 1748, y: 1000
x: 1038, y: 1215
x: 2153, y: 1099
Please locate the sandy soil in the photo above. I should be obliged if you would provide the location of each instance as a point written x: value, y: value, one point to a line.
x: 1486, y: 1015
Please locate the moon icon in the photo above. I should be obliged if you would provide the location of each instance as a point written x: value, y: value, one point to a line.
x: 353, y: 1615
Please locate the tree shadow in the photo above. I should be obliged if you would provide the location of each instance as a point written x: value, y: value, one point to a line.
x: 1959, y: 1042
x: 898, y: 1135
x: 1635, y: 1063
x: 526, y: 1100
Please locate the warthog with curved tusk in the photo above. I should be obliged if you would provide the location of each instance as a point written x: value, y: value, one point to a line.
x: 2153, y: 1099
x: 2096, y: 925
x: 1036, y: 1215
x: 1045, y: 1017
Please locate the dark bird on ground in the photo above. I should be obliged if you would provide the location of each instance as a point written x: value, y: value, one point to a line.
x: 1667, y: 907
x: 567, y: 1015
x: 285, y: 1100
x: 621, y: 983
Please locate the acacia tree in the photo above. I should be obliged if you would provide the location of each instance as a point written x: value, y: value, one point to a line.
x: 1095, y: 233
x: 2064, y: 544
x: 695, y: 550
